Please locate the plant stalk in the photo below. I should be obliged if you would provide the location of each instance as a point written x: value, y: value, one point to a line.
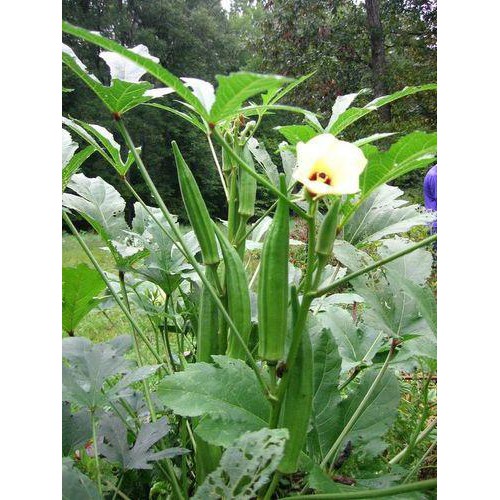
x: 420, y: 437
x: 428, y: 484
x: 359, y: 410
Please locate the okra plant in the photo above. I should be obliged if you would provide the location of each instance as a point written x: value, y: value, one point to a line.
x: 275, y: 383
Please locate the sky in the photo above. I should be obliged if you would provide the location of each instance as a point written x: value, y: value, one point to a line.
x: 225, y: 4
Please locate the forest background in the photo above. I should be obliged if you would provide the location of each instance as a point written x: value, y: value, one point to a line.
x: 381, y: 45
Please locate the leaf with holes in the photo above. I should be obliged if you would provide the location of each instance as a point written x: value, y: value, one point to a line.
x: 246, y: 466
x: 117, y: 449
x: 81, y: 286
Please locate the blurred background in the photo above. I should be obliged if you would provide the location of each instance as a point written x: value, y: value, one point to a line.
x: 383, y: 45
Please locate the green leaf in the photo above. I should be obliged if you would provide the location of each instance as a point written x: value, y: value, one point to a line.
x: 74, y: 164
x: 75, y: 485
x: 351, y: 115
x: 372, y: 138
x: 357, y: 343
x: 327, y: 364
x: 152, y: 67
x: 99, y: 203
x: 342, y: 102
x: 76, y: 428
x: 415, y: 150
x: 381, y: 214
x: 379, y: 414
x: 88, y: 366
x: 117, y: 450
x: 236, y: 88
x: 297, y: 133
x: 81, y: 286
x: 227, y: 394
x: 245, y: 467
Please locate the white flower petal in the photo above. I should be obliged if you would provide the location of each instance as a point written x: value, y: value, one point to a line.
x: 203, y: 90
x: 124, y: 69
x: 159, y: 92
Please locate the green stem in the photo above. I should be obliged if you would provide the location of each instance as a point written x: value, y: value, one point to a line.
x: 257, y: 222
x: 117, y: 487
x: 428, y: 484
x: 120, y: 303
x: 272, y: 486
x: 421, y: 436
x: 421, y: 422
x: 182, y: 244
x: 359, y: 410
x: 96, y: 451
x: 382, y: 262
x: 165, y: 337
x: 420, y: 461
x: 262, y: 180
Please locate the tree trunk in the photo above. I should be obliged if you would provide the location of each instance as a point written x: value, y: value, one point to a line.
x: 378, y: 63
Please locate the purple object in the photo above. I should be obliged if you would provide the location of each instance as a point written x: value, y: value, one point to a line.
x: 430, y: 193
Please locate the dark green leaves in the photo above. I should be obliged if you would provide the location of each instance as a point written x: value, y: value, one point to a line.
x: 76, y: 428
x: 117, y: 450
x: 227, y: 394
x: 81, y: 286
x: 75, y: 485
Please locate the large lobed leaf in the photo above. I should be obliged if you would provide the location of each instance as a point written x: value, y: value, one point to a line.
x: 117, y: 450
x: 227, y: 394
x: 383, y: 213
x: 245, y: 466
x: 75, y: 485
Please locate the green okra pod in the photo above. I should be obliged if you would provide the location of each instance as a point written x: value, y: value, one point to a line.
x: 297, y: 405
x: 238, y: 296
x: 247, y: 188
x: 196, y: 210
x: 328, y: 230
x: 208, y: 326
x: 272, y: 296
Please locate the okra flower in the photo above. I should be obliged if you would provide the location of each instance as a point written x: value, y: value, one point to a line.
x: 326, y: 165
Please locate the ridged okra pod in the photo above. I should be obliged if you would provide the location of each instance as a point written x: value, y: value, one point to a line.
x: 247, y: 188
x: 208, y: 326
x: 328, y: 231
x: 272, y: 300
x: 238, y: 296
x: 196, y: 210
x: 297, y: 405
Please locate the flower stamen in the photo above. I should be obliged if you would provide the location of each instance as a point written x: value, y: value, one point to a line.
x: 321, y: 177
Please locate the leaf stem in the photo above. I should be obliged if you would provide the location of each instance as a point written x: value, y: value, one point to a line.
x: 217, y: 164
x: 420, y: 461
x: 420, y: 437
x: 375, y: 265
x: 428, y: 484
x: 359, y: 410
x: 96, y: 451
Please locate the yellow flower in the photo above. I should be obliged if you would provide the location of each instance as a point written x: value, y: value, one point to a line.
x: 326, y: 165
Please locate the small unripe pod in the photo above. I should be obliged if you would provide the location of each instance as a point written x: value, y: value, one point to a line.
x: 248, y: 187
x: 196, y: 210
x: 328, y: 230
x: 238, y: 296
x: 297, y: 405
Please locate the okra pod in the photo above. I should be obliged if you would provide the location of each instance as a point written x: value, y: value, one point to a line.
x: 208, y: 326
x: 328, y: 230
x: 196, y: 210
x: 238, y: 296
x: 247, y: 188
x: 297, y: 405
x: 272, y: 296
